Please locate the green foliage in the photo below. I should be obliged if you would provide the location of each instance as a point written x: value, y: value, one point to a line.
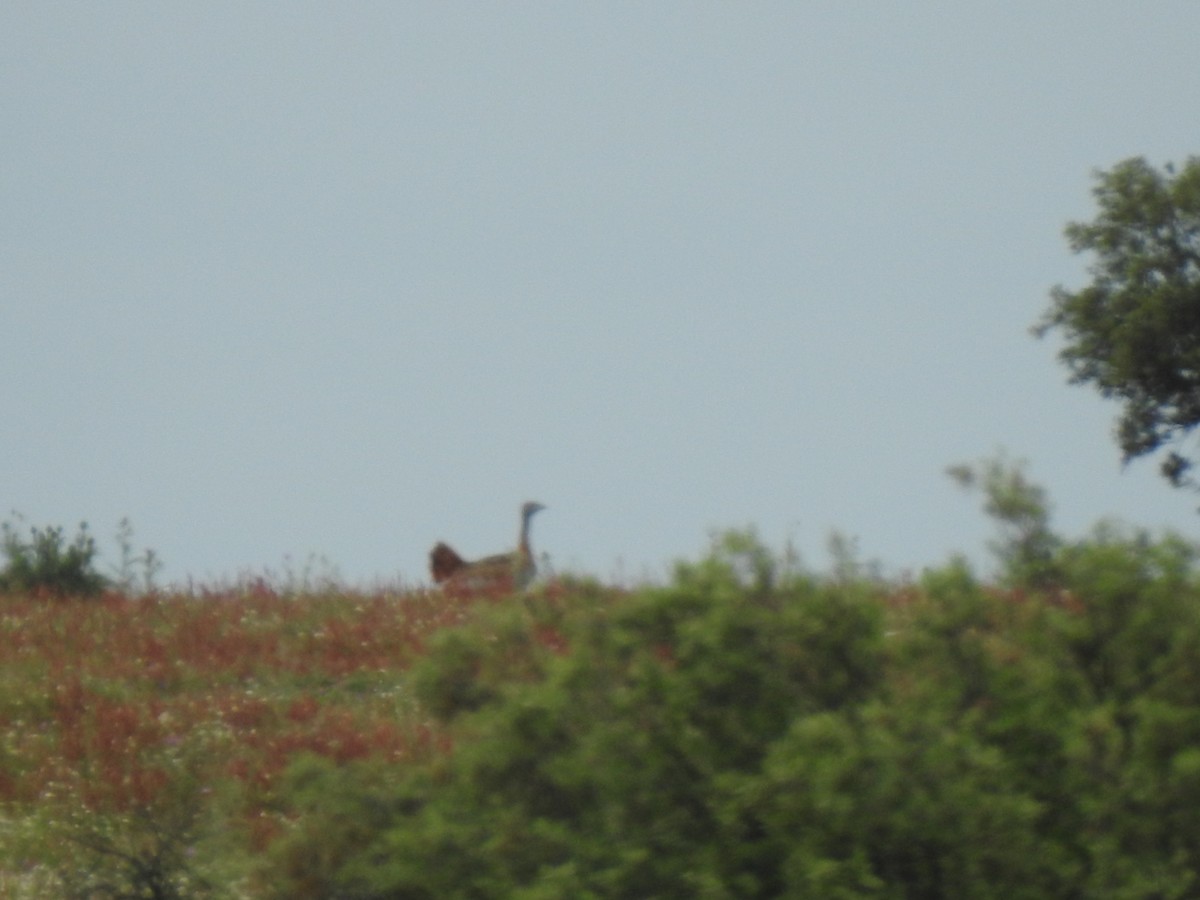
x: 747, y: 731
x: 1134, y: 331
x: 894, y: 804
x: 162, y: 839
x: 1026, y: 547
x: 1138, y: 619
x: 596, y: 770
x: 45, y: 563
x: 750, y: 731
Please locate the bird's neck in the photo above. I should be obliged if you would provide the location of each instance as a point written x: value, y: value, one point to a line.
x: 523, y: 542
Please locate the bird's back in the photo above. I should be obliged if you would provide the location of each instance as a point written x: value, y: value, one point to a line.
x: 502, y: 572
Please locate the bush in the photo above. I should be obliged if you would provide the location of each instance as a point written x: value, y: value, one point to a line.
x: 162, y: 838
x: 751, y: 732
x: 46, y: 564
x: 599, y: 767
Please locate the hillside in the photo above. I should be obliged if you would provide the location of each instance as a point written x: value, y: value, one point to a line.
x: 748, y: 730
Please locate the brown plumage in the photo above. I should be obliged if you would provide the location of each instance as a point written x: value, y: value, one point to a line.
x: 444, y: 562
x: 503, y: 572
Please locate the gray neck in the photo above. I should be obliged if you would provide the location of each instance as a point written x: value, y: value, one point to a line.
x: 524, y: 541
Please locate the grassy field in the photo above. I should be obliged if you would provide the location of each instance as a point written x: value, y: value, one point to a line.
x: 116, y: 706
x: 746, y: 730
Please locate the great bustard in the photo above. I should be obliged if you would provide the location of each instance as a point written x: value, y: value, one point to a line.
x: 505, y: 571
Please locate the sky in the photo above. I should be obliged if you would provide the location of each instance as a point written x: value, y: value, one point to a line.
x: 302, y: 286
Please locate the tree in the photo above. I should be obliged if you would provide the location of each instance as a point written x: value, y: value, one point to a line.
x: 1134, y: 331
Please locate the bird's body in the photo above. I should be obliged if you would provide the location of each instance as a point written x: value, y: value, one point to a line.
x: 503, y: 572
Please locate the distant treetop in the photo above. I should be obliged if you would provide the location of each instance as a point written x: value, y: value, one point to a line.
x: 1134, y: 331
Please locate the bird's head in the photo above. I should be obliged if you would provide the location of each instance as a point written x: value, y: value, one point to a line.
x: 528, y: 509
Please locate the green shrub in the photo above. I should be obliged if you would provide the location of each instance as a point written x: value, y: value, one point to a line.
x: 45, y: 563
x: 165, y: 837
x: 751, y: 732
x: 599, y: 770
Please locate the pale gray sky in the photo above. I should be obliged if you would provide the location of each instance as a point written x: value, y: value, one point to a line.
x: 281, y: 278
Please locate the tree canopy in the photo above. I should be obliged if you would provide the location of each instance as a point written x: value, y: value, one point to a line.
x: 1134, y: 331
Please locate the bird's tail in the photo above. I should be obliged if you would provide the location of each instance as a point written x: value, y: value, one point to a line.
x: 444, y: 562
